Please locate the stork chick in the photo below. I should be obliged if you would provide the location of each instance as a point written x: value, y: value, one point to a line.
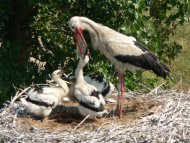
x: 90, y: 99
x: 42, y: 99
x: 104, y: 87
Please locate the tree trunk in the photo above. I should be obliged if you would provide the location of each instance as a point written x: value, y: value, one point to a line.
x: 18, y: 29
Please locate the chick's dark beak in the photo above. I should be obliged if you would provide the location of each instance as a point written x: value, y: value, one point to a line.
x: 69, y: 79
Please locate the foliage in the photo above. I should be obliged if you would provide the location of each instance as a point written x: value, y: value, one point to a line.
x: 51, y: 40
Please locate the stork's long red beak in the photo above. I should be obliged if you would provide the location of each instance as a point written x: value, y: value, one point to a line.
x: 79, y: 32
x: 77, y: 40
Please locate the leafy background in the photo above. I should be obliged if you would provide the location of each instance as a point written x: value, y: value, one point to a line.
x: 35, y: 38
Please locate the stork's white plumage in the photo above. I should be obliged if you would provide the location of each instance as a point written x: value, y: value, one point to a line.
x: 90, y: 99
x: 123, y: 51
x: 104, y: 87
x: 42, y: 99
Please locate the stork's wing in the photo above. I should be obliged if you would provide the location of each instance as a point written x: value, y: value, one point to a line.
x: 89, y: 97
x: 123, y: 45
x: 96, y: 80
x: 53, y: 90
x: 90, y: 103
x: 129, y: 51
x: 42, y: 99
x: 106, y: 90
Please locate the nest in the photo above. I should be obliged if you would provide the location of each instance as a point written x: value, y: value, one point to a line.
x: 168, y: 122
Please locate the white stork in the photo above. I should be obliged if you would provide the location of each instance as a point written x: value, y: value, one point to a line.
x: 90, y: 99
x: 104, y: 87
x: 42, y: 99
x: 123, y: 51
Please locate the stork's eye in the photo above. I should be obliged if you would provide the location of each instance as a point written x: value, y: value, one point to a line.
x: 73, y: 27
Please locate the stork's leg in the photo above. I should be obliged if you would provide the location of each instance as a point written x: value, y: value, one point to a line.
x: 120, y: 95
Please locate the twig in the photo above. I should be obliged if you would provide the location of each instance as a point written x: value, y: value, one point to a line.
x: 43, y: 46
x: 14, y: 118
x: 155, y: 90
x: 18, y: 95
x: 80, y: 123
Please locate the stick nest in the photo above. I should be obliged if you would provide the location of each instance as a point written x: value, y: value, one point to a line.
x: 168, y: 121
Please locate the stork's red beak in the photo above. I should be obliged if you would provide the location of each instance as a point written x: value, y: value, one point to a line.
x: 77, y: 40
x: 79, y: 32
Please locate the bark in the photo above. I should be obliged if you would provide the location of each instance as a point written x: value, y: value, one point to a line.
x: 18, y: 29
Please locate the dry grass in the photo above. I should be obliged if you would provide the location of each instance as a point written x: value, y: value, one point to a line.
x: 163, y: 116
x: 180, y: 66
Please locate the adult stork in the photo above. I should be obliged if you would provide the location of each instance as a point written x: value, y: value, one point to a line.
x: 123, y: 51
x: 42, y: 99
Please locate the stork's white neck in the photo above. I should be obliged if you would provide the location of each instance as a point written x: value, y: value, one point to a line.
x: 88, y: 24
x: 92, y: 28
x: 63, y: 85
x: 79, y: 71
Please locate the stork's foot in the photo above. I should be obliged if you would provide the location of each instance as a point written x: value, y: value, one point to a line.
x: 118, y: 113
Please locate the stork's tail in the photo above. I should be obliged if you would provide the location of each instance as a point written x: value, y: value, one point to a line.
x: 153, y: 63
x: 161, y: 69
x: 166, y: 70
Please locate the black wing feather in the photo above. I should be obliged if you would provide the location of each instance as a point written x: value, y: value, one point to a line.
x: 98, y: 78
x: 106, y: 90
x: 141, y: 46
x: 146, y: 61
x: 95, y: 93
x: 90, y: 105
x: 39, y: 103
